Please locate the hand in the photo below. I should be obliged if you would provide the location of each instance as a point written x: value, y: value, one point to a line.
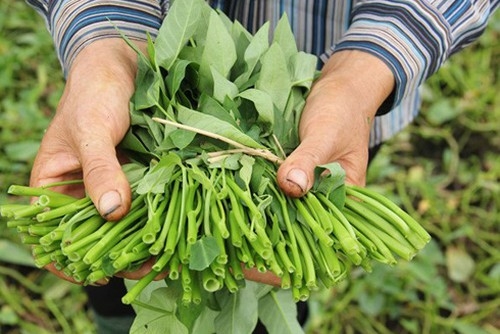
x: 250, y: 274
x: 91, y: 119
x: 336, y: 121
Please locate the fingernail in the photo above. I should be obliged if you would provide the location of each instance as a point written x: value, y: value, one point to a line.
x: 109, y: 202
x: 299, y: 177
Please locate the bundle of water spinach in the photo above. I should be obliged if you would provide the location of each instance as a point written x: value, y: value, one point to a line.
x: 216, y: 109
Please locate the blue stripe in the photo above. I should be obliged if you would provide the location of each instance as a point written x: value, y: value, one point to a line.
x: 104, y: 14
x: 413, y: 26
x: 392, y: 59
x: 428, y: 32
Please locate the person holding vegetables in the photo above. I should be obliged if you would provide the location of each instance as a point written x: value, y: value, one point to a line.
x: 374, y: 57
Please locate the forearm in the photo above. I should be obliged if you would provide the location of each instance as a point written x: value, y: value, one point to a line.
x: 414, y: 38
x: 74, y: 24
x: 361, y: 82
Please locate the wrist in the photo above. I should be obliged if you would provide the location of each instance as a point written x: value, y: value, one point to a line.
x: 106, y: 61
x: 99, y: 86
x: 361, y: 81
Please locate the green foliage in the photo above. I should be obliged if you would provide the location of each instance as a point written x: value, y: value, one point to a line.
x: 166, y: 217
x: 30, y: 84
x: 31, y: 301
x: 444, y: 170
x: 206, y: 251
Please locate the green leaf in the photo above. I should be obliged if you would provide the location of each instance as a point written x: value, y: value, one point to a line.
x: 239, y: 311
x: 263, y: 201
x: 460, y: 264
x: 155, y: 129
x: 219, y: 53
x: 151, y: 50
x: 204, y: 324
x: 494, y: 272
x: 179, y: 26
x: 134, y: 171
x: 245, y: 172
x: 8, y: 316
x: 263, y: 104
x: 223, y: 88
x: 260, y: 290
x: 175, y: 76
x: 278, y: 312
x: 257, y: 47
x: 242, y: 39
x: 214, y: 125
x: 200, y: 176
x: 291, y: 117
x: 145, y: 137
x: 229, y: 163
x: 159, y: 315
x: 11, y: 252
x: 132, y: 143
x: 371, y: 303
x: 24, y: 150
x: 334, y: 178
x: 210, y: 106
x: 190, y: 314
x: 240, y: 33
x: 228, y: 23
x: 274, y: 77
x: 464, y: 327
x: 284, y: 36
x: 303, y: 69
x: 149, y: 290
x: 203, y: 253
x: 147, y: 92
x: 182, y: 138
x: 136, y: 114
x: 442, y: 112
x: 155, y: 180
x: 200, y: 35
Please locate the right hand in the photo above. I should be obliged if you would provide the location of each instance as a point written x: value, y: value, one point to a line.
x: 91, y: 119
x: 337, y: 118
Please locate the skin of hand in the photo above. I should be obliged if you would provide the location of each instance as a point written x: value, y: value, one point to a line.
x: 336, y: 121
x: 91, y: 119
x: 335, y: 126
x: 93, y: 116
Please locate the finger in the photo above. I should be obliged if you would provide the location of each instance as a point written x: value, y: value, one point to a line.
x: 355, y: 167
x: 54, y: 167
x: 268, y: 277
x: 51, y: 267
x: 143, y: 270
x: 104, y: 179
x: 296, y: 174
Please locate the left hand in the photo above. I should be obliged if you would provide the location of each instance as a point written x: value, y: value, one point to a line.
x: 336, y: 121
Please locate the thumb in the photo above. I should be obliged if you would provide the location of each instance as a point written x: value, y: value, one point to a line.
x: 296, y: 175
x: 104, y: 178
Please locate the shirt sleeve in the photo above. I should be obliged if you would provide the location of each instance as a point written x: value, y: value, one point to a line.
x: 414, y: 38
x: 74, y: 24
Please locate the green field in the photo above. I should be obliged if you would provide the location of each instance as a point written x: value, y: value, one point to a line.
x: 444, y: 170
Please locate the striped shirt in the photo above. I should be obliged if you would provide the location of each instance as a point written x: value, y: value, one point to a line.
x: 414, y: 38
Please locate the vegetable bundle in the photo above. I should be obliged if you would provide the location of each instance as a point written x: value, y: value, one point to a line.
x: 215, y: 110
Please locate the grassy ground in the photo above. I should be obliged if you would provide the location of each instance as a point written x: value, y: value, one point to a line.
x: 444, y: 170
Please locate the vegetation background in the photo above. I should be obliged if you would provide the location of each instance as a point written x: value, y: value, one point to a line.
x: 444, y: 170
